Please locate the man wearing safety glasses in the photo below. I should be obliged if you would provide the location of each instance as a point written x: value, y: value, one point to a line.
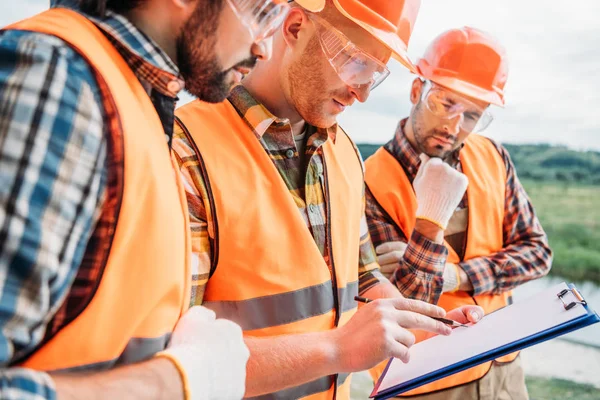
x: 94, y: 235
x: 436, y: 242
x: 276, y: 196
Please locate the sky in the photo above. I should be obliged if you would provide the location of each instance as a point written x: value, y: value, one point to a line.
x: 553, y: 89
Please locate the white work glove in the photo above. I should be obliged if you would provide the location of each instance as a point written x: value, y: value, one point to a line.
x: 211, y: 354
x: 439, y: 189
x: 389, y: 254
x: 451, y: 278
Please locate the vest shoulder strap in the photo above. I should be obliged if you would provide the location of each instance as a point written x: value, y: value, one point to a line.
x: 398, y: 199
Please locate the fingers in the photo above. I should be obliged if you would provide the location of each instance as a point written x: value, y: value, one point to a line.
x: 224, y: 325
x: 388, y: 269
x: 432, y: 165
x: 404, y: 339
x: 393, y: 257
x: 196, y: 319
x: 200, y: 313
x: 411, y: 320
x: 232, y: 333
x: 397, y: 340
x: 418, y: 306
x: 424, y: 160
x: 466, y: 314
x: 476, y: 315
x: 462, y: 182
x: 390, y: 246
x: 438, y: 167
x: 389, y: 255
x: 415, y: 314
x: 427, y: 164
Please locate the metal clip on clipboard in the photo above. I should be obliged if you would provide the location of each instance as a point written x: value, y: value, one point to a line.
x: 568, y: 306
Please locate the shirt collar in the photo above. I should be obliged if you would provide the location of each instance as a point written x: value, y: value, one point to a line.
x: 403, y: 151
x: 151, y: 64
x: 259, y: 118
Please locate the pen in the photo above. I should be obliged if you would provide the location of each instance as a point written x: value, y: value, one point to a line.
x: 449, y: 322
x: 442, y: 320
x: 362, y: 299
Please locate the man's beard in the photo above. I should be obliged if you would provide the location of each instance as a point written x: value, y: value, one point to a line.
x: 206, y: 80
x: 421, y: 138
x: 307, y: 85
x: 196, y: 57
x: 204, y: 76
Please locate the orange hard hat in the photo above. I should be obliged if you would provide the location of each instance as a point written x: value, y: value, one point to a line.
x: 389, y: 21
x: 468, y: 61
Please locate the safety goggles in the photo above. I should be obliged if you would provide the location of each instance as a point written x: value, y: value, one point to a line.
x: 354, y: 67
x: 447, y: 105
x: 261, y: 17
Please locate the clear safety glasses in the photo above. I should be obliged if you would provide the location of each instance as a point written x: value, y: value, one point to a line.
x: 354, y: 66
x: 447, y: 105
x: 261, y: 17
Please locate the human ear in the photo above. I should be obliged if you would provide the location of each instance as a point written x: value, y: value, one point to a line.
x: 416, y: 90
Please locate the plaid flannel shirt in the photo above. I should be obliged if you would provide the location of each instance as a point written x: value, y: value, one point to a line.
x: 53, y: 178
x: 275, y: 135
x: 524, y: 257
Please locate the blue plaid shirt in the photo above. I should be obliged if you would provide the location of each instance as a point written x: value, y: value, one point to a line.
x: 53, y: 177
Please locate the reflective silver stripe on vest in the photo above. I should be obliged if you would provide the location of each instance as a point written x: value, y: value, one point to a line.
x: 284, y: 308
x: 137, y: 350
x: 317, y: 386
x: 346, y: 296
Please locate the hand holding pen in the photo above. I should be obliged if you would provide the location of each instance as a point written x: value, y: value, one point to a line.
x: 387, y: 328
x: 473, y: 314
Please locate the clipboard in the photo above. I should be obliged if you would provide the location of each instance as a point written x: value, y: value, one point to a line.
x: 544, y: 316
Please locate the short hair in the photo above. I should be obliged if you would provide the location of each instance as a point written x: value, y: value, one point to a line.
x: 98, y: 7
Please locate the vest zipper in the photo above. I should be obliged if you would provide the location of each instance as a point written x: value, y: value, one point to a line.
x: 336, y: 301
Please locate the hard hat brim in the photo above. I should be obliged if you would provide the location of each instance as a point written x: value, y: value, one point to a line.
x: 393, y: 42
x: 467, y: 89
x: 388, y: 38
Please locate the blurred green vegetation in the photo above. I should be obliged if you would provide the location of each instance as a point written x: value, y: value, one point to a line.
x: 559, y: 389
x: 564, y: 187
x: 570, y: 214
x: 545, y: 163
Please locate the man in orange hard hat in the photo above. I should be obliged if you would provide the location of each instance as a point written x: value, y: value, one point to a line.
x: 276, y: 197
x: 435, y: 242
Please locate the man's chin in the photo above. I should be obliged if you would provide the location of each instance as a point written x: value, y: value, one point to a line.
x: 321, y: 121
x: 211, y: 93
x: 436, y: 152
x: 213, y: 97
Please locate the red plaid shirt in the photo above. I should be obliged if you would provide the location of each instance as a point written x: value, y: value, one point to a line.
x: 525, y: 256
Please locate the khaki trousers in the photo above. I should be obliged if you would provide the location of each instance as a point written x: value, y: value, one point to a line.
x: 504, y: 381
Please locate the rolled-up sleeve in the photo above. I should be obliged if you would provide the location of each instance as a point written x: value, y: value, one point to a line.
x: 419, y: 273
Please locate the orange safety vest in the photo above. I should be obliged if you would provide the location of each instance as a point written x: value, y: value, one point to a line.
x: 144, y: 286
x: 486, y: 171
x: 270, y: 276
